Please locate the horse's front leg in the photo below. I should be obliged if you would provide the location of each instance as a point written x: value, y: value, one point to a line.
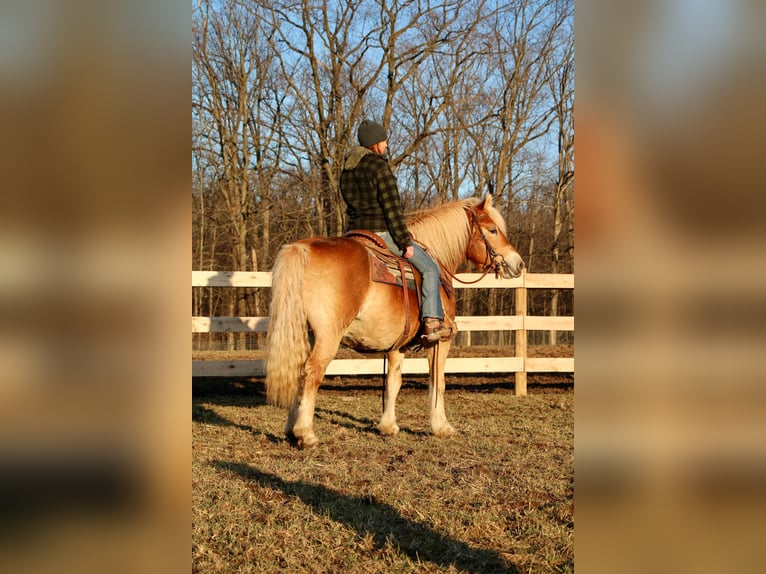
x: 437, y: 358
x: 393, y: 384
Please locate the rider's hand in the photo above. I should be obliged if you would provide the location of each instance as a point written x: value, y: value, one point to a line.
x: 409, y: 252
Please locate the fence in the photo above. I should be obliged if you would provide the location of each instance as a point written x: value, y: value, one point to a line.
x: 520, y: 323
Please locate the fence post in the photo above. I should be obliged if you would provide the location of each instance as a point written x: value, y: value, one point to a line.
x: 520, y: 388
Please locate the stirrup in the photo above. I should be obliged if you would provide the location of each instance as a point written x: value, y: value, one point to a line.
x: 434, y: 330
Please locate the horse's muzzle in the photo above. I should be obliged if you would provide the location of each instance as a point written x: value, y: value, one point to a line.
x: 507, y: 271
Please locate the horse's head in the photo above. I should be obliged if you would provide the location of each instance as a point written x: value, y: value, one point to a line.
x: 489, y: 247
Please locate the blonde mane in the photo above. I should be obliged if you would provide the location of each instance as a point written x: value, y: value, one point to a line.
x: 446, y: 230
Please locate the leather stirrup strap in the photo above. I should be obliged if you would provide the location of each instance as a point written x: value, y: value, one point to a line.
x: 403, y: 337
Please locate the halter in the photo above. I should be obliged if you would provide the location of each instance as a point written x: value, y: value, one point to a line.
x: 493, y: 261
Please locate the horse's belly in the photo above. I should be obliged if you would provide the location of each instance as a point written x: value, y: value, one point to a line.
x: 380, y: 335
x: 369, y: 338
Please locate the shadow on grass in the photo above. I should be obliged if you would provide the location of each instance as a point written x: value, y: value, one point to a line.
x: 227, y: 390
x: 205, y: 415
x: 384, y: 523
x: 229, y: 387
x: 359, y: 424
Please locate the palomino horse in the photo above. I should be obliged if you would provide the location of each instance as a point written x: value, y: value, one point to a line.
x: 323, y: 284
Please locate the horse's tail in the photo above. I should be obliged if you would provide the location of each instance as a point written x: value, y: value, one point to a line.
x: 287, y: 343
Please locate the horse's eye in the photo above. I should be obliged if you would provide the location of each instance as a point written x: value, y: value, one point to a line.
x: 493, y: 230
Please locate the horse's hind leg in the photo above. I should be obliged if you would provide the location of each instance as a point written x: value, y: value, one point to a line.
x: 393, y: 384
x: 300, y: 420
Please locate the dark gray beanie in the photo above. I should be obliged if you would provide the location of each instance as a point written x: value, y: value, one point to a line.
x: 371, y: 133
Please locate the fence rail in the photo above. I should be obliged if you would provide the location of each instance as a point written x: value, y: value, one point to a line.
x: 520, y: 323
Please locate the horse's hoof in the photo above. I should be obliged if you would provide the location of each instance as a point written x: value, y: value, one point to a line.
x: 445, y: 432
x: 308, y: 442
x: 388, y: 429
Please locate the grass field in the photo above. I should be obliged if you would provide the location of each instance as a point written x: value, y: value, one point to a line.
x: 497, y: 497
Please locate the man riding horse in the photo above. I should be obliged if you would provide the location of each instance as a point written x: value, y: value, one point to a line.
x: 369, y: 189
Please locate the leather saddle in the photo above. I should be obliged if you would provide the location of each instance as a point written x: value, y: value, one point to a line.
x: 385, y: 266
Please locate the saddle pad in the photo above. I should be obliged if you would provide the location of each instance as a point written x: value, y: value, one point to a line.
x: 384, y: 272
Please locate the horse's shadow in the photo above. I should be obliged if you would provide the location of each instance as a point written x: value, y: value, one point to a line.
x: 384, y: 523
x: 351, y: 422
x: 205, y: 415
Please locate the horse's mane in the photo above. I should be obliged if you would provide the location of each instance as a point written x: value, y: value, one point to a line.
x: 446, y: 230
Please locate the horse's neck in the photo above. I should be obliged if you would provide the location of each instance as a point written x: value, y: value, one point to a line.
x: 448, y: 262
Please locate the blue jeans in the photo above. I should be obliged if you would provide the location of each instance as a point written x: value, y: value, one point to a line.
x: 432, y: 301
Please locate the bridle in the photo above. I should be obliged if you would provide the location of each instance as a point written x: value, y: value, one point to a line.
x: 493, y: 261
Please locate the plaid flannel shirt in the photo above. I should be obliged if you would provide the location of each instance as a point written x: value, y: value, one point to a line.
x: 372, y: 199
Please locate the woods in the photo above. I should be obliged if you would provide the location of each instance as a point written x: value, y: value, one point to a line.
x: 477, y: 97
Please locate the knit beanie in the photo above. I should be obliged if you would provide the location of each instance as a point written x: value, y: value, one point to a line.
x: 371, y: 133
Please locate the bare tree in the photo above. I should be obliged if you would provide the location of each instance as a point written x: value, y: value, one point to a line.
x: 562, y: 91
x: 322, y: 63
x: 237, y: 111
x: 525, y: 38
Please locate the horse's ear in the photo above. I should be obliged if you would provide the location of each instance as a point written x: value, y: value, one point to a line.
x: 487, y: 203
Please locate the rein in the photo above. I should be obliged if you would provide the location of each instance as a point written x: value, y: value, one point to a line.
x: 482, y: 276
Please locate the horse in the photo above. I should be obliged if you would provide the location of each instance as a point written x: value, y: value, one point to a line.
x: 323, y: 296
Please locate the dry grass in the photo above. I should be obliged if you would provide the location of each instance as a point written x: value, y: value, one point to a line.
x: 498, y: 497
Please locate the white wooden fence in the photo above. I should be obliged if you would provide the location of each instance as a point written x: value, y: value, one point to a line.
x: 520, y: 322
